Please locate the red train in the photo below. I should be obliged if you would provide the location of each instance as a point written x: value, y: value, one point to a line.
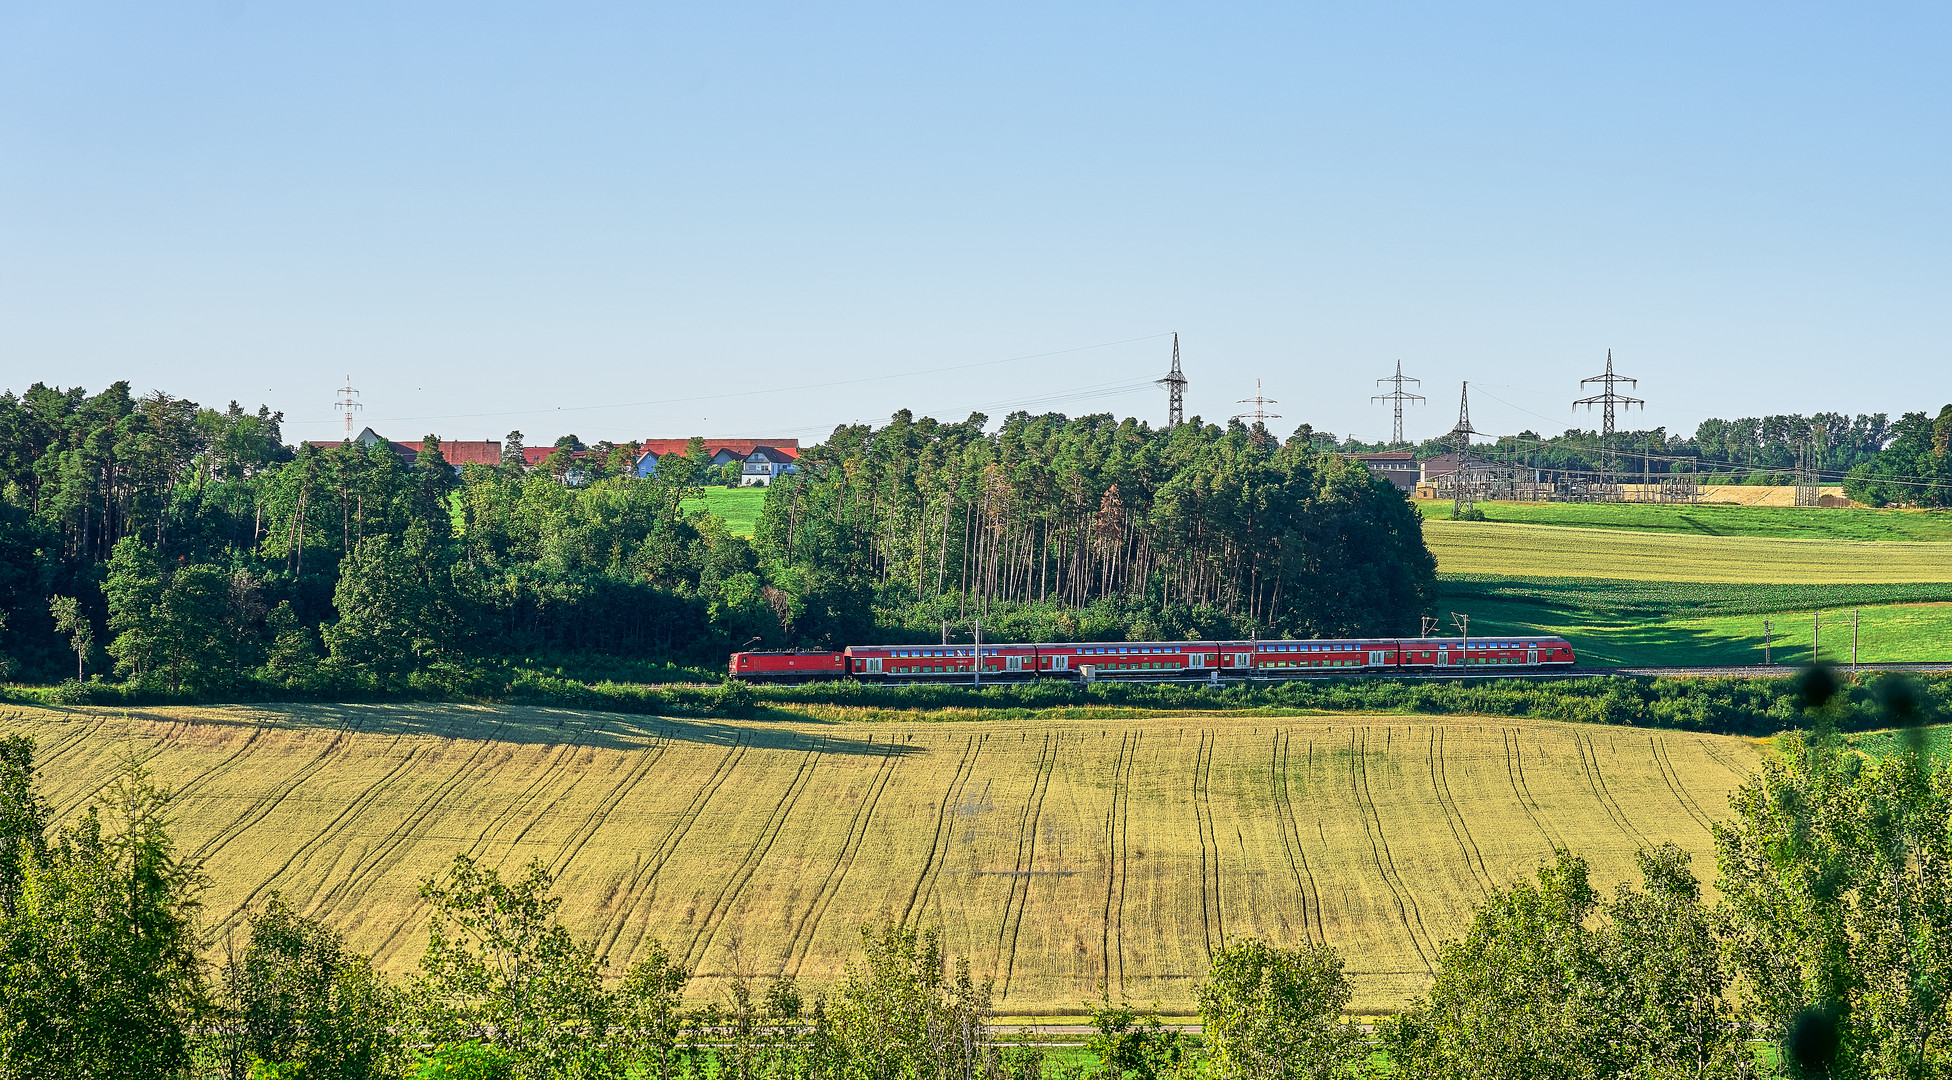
x: 1140, y: 660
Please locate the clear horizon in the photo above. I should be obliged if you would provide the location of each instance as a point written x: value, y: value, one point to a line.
x: 626, y: 222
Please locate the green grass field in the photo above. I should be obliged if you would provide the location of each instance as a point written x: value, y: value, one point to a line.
x: 739, y: 507
x: 1778, y: 522
x: 1654, y: 587
x: 1691, y: 623
x: 1064, y: 858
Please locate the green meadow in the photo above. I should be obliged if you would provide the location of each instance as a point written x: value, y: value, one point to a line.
x: 1702, y: 519
x: 739, y: 507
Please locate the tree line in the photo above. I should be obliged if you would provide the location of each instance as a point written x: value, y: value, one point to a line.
x: 1050, y: 524
x: 185, y: 549
x: 1914, y: 470
x: 1825, y: 950
x: 1747, y: 450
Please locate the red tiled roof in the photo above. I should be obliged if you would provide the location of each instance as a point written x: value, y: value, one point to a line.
x: 777, y: 452
x: 741, y: 447
x: 473, y: 452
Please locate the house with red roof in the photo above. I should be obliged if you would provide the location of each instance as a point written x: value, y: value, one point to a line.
x: 766, y: 464
x: 717, y: 451
x: 458, y: 452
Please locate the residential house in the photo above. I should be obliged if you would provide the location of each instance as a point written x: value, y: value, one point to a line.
x: 766, y: 464
x: 458, y: 452
x: 718, y: 451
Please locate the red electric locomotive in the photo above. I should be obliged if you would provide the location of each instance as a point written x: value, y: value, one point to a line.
x: 792, y: 665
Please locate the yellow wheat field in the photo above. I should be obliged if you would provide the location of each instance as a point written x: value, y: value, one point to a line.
x: 1060, y: 857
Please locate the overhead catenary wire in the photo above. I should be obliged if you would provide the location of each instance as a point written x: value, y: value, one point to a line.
x: 767, y: 389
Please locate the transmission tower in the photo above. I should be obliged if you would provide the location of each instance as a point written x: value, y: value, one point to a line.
x: 348, y: 400
x: 1175, y: 384
x: 1461, y: 434
x: 1607, y: 399
x: 1610, y: 397
x: 1463, y: 492
x: 1398, y: 397
x: 1260, y: 415
x: 1807, y: 491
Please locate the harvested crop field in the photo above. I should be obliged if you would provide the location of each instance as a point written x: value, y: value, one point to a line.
x: 1059, y: 856
x: 1542, y: 551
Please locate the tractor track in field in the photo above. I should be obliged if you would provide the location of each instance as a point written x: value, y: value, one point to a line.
x: 1111, y: 944
x: 67, y: 743
x: 801, y: 941
x: 1712, y: 751
x: 1379, y: 852
x: 644, y: 877
x: 1027, y: 823
x: 353, y: 808
x: 1520, y: 790
x: 262, y: 807
x: 1460, y: 829
x: 1290, y: 828
x: 701, y: 939
x: 177, y: 795
x: 1672, y: 778
x: 1589, y: 764
x: 945, y: 827
x: 390, y: 848
x: 564, y: 752
x: 593, y: 821
x: 1212, y: 927
x: 158, y: 744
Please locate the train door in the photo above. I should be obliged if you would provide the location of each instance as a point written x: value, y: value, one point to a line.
x: 1532, y: 656
x: 874, y: 665
x: 1376, y: 658
x: 1060, y: 663
x: 1013, y: 663
x: 1196, y: 660
x: 1243, y: 660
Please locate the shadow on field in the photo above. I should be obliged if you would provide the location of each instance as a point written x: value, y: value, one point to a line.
x: 525, y: 725
x: 1617, y: 622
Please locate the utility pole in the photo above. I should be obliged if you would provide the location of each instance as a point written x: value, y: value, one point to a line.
x: 1430, y: 622
x: 979, y: 653
x: 1464, y: 627
x: 1175, y: 384
x: 348, y: 400
x: 1767, y: 628
x: 1397, y: 396
x: 1260, y: 415
x: 1607, y: 399
x: 1853, y: 641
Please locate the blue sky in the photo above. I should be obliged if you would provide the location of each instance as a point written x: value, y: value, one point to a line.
x: 736, y: 219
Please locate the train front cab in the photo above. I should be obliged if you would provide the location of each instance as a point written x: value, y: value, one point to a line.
x: 787, y: 666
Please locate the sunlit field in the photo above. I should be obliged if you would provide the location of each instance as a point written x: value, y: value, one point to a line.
x: 1063, y: 858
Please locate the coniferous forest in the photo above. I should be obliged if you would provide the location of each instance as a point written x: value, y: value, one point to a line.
x: 162, y: 544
